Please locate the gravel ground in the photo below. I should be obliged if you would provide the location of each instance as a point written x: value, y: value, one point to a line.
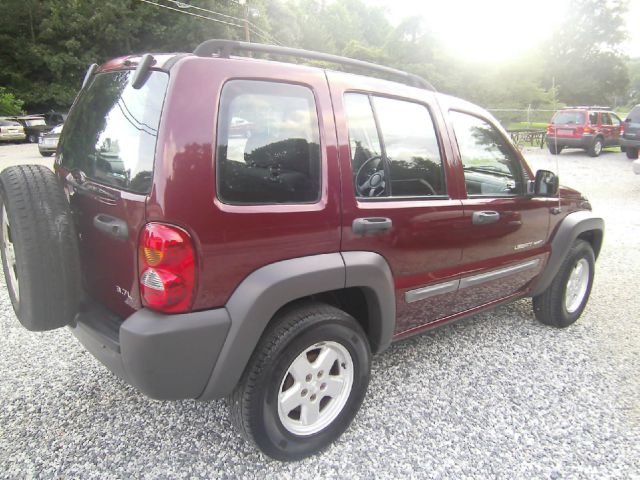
x: 496, y: 395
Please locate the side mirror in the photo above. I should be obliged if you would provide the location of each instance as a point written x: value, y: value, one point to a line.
x: 546, y: 184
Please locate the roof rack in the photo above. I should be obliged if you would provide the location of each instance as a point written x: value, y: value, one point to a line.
x: 226, y: 47
x: 590, y: 107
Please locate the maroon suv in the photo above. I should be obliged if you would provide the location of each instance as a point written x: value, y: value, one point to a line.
x: 223, y: 226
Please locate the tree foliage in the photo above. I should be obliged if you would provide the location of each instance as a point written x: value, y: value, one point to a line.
x: 584, y: 54
x: 47, y: 46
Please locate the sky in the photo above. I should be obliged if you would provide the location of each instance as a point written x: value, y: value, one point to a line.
x: 496, y: 30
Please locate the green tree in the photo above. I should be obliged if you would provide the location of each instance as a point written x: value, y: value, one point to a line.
x: 584, y: 56
x: 9, y: 104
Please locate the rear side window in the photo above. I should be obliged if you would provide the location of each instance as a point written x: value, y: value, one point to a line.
x: 569, y: 118
x: 268, y: 144
x: 110, y: 133
x: 404, y: 160
x: 606, y: 119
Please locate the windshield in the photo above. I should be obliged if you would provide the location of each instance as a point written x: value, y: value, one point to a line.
x: 568, y: 118
x: 110, y: 134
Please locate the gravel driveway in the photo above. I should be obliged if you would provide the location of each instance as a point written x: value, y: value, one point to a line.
x: 496, y: 395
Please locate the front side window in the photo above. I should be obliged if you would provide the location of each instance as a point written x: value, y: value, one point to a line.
x: 268, y: 148
x: 404, y: 160
x: 491, y: 167
x: 593, y: 118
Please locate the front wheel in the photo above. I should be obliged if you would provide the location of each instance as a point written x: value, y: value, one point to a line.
x: 304, y: 383
x: 562, y: 303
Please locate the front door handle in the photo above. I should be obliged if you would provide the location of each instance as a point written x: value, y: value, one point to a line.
x: 361, y: 226
x: 485, y: 217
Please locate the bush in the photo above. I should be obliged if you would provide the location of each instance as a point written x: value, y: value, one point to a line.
x: 9, y: 104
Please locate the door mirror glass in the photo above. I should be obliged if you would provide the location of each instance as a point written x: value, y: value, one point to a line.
x: 546, y: 184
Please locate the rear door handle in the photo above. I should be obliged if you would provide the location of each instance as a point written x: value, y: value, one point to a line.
x: 361, y: 226
x: 485, y: 217
x: 111, y: 226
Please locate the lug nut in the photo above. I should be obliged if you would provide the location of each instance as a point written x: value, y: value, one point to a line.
x: 323, y: 386
x: 304, y: 392
x: 313, y: 397
x: 309, y: 377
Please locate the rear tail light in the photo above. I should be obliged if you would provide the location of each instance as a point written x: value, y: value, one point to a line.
x: 587, y: 130
x: 549, y: 128
x: 166, y: 264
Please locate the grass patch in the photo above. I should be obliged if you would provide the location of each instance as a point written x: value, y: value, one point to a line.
x: 527, y: 125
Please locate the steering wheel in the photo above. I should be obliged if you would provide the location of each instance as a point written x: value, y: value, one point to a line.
x: 374, y: 185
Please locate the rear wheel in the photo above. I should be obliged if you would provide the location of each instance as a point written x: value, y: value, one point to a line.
x: 632, y: 153
x: 554, y: 149
x: 596, y: 147
x: 304, y: 383
x: 39, y: 248
x: 562, y: 303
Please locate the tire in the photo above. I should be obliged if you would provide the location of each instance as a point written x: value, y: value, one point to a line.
x: 596, y: 147
x: 553, y: 149
x: 255, y: 404
x: 46, y: 154
x: 39, y: 248
x: 554, y: 306
x: 632, y: 153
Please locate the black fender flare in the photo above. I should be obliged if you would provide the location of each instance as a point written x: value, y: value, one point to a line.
x: 259, y: 296
x: 570, y: 228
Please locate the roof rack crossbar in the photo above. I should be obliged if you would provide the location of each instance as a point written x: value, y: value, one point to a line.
x: 226, y: 47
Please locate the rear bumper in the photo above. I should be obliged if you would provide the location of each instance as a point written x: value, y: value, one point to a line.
x: 628, y: 142
x: 12, y: 137
x: 166, y: 357
x: 582, y: 142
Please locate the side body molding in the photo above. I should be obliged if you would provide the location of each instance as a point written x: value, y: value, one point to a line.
x: 571, y: 227
x: 269, y: 288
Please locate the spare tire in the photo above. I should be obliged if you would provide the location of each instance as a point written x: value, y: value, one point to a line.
x: 39, y: 248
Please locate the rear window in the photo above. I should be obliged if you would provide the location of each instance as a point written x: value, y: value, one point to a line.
x: 634, y: 114
x: 9, y: 123
x: 568, y: 118
x: 110, y: 133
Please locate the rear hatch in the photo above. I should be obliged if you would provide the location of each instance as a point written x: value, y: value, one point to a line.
x: 568, y: 123
x: 10, y: 129
x: 106, y: 158
x: 632, y: 124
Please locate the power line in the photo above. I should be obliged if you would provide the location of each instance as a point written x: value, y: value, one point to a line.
x: 258, y: 34
x: 258, y: 31
x: 189, y: 13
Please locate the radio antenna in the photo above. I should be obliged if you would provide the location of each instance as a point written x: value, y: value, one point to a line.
x: 558, y: 209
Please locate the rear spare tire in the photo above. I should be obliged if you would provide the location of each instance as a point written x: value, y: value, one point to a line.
x: 39, y: 248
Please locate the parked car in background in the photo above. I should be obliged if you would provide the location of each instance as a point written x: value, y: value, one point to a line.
x: 631, y: 138
x: 34, y: 127
x: 11, y: 131
x: 588, y: 128
x: 54, y: 118
x: 49, y: 142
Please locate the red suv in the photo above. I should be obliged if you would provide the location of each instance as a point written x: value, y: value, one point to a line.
x: 267, y: 263
x: 588, y: 128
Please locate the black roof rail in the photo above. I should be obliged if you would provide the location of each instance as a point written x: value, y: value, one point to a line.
x: 226, y: 47
x: 590, y: 107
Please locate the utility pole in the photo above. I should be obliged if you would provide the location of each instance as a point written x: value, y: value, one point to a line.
x: 245, y: 11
